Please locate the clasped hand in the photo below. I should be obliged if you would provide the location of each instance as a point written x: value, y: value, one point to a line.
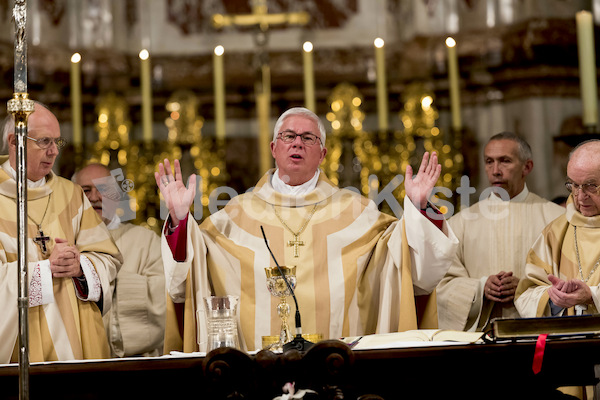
x: 64, y: 260
x: 501, y: 287
x: 569, y: 293
x: 177, y: 197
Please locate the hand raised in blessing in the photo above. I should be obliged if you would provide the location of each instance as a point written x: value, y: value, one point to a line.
x: 419, y: 187
x: 177, y: 196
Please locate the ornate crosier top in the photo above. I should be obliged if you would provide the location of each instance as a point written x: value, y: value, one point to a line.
x: 20, y: 18
x: 296, y: 242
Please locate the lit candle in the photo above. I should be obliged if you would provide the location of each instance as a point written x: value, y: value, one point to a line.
x: 219, y: 89
x: 309, y: 78
x: 382, y: 100
x: 263, y: 108
x: 587, y: 68
x: 76, y: 118
x: 145, y: 83
x: 453, y: 80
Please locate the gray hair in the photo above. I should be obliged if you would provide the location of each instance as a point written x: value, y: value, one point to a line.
x: 305, y: 112
x: 524, y: 150
x: 8, y: 125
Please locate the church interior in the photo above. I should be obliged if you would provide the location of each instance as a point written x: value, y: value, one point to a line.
x: 136, y: 81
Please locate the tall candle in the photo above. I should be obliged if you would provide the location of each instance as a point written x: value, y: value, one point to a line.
x: 219, y: 89
x: 587, y: 68
x: 309, y: 78
x: 146, y: 88
x: 263, y: 108
x: 382, y: 97
x: 453, y: 81
x: 76, y: 117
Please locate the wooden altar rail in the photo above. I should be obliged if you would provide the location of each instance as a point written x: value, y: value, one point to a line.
x: 483, y: 371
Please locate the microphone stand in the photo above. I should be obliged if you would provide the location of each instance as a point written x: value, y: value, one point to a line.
x: 298, y: 343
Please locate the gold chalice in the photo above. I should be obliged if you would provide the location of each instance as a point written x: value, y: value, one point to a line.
x: 277, y: 287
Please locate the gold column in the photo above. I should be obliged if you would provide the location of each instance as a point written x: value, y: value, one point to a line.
x: 76, y: 117
x: 453, y: 80
x: 146, y: 88
x: 309, y: 77
x: 587, y: 68
x: 382, y: 96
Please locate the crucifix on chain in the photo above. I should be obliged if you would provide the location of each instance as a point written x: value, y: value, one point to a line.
x: 41, y: 240
x: 296, y: 242
x: 262, y: 20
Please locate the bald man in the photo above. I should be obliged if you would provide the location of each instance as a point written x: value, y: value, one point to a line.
x: 72, y: 259
x: 562, y: 274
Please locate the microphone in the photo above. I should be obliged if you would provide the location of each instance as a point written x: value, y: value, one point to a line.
x: 298, y: 343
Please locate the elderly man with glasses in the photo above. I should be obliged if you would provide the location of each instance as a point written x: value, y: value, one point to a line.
x: 72, y: 259
x: 358, y: 270
x: 562, y: 274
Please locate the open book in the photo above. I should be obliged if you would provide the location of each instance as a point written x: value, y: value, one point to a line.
x: 419, y: 337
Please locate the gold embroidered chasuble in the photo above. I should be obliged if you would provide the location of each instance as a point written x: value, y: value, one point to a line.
x: 349, y: 278
x: 554, y: 253
x: 63, y: 326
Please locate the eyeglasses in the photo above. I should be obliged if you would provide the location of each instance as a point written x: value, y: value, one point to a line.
x: 290, y: 136
x: 46, y: 142
x: 587, y: 188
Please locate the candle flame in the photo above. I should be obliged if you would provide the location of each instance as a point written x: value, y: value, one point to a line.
x: 219, y: 50
x: 450, y: 42
x: 379, y: 43
x: 75, y: 58
x: 307, y: 47
x: 144, y: 54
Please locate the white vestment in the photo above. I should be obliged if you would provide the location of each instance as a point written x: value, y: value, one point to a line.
x: 494, y: 235
x: 348, y: 269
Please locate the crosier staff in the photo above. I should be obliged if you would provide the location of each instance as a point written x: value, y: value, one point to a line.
x: 20, y: 106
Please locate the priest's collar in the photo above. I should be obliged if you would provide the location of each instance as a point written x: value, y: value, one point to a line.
x: 518, y: 198
x: 578, y: 219
x: 322, y: 190
x: 13, y: 174
x: 35, y: 190
x: 114, y: 222
x: 282, y: 187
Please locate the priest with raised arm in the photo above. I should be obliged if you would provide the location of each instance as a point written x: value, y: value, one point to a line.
x: 358, y: 270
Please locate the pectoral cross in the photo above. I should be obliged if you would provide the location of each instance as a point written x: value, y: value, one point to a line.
x: 296, y: 242
x: 41, y: 240
x: 261, y: 19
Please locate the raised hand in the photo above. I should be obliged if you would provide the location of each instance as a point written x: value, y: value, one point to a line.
x: 419, y: 187
x: 177, y: 196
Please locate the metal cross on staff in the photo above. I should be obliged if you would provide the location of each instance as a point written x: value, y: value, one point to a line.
x: 262, y: 20
x: 20, y: 106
